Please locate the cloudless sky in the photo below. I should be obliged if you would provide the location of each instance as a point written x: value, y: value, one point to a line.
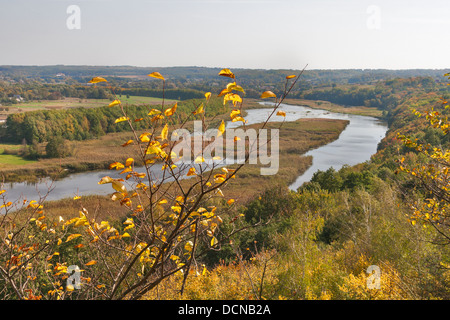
x: 266, y: 34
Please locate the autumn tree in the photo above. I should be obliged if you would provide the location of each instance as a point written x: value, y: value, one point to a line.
x: 431, y: 174
x: 172, y: 217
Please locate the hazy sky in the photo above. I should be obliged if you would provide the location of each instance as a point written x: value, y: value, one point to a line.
x: 263, y: 34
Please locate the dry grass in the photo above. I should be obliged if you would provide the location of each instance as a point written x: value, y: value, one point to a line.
x: 326, y: 105
x: 88, y: 155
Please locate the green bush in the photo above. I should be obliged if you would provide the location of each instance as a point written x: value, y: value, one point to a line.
x: 58, y: 147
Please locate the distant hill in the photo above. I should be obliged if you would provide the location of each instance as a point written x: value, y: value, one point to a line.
x: 341, y: 76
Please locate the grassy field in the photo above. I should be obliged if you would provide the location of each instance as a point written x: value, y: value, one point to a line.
x: 88, y: 155
x: 8, y: 159
x: 76, y: 103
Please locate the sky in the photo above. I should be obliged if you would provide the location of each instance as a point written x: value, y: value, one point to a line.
x: 256, y: 34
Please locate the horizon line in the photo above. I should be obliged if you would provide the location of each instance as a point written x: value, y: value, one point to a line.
x: 206, y: 67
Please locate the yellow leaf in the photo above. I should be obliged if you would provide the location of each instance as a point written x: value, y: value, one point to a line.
x: 170, y: 111
x: 70, y: 287
x: 199, y: 159
x: 121, y: 119
x: 188, y: 246
x: 117, y: 196
x: 268, y: 94
x: 105, y: 180
x: 156, y: 75
x: 207, y: 95
x: 214, y: 241
x: 126, y: 170
x: 221, y: 128
x: 116, y: 165
x: 281, y: 113
x: 76, y: 198
x: 126, y: 235
x: 224, y: 91
x: 199, y: 109
x: 157, y: 117
x: 118, y: 186
x: 164, y: 132
x: 153, y: 149
x: 191, y: 172
x: 129, y: 227
x: 127, y: 143
x: 234, y: 113
x: 97, y: 80
x: 129, y: 162
x: 33, y: 204
x: 291, y: 76
x: 144, y: 137
x: 230, y: 202
x: 219, y: 180
x: 163, y: 201
x: 234, y: 86
x: 91, y: 263
x: 235, y: 119
x: 114, y: 103
x: 8, y: 204
x: 226, y: 73
x: 129, y: 221
x: 73, y: 236
x: 233, y: 97
x: 153, y: 112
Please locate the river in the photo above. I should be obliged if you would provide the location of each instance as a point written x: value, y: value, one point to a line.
x: 356, y: 144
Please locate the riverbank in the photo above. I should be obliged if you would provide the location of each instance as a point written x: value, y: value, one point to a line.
x: 296, y: 138
x: 95, y: 154
x: 332, y: 107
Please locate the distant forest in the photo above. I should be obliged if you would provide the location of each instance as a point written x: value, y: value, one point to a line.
x: 84, y: 73
x: 183, y: 83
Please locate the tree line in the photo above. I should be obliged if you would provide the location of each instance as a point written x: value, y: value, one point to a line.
x: 86, y: 123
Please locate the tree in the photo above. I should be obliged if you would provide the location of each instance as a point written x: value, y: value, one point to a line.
x: 172, y: 218
x: 57, y: 147
x: 431, y: 174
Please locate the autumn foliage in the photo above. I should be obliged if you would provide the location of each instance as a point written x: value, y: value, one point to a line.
x: 169, y: 224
